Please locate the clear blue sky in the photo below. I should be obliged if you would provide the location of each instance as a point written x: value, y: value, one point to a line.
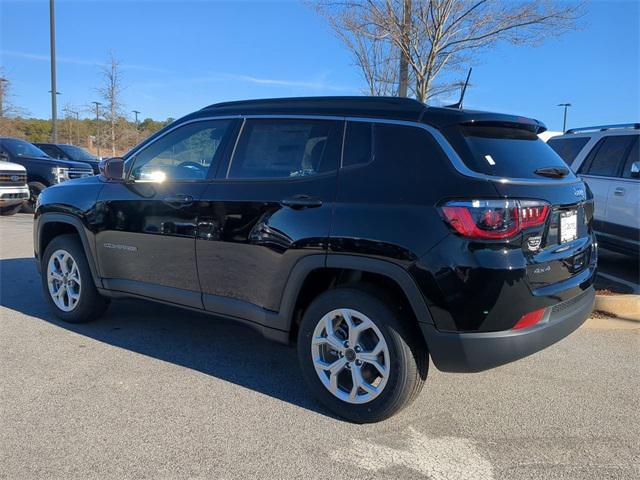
x: 178, y: 56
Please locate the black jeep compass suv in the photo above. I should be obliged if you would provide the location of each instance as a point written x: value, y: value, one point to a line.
x: 370, y: 232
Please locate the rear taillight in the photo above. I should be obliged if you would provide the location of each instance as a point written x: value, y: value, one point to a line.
x: 494, y: 219
x: 529, y: 319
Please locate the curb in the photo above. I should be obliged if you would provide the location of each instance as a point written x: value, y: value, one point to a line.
x: 626, y: 307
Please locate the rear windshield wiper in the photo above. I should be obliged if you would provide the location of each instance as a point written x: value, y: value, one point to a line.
x: 552, y: 172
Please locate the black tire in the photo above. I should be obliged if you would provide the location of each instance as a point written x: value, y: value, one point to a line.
x: 408, y: 353
x: 10, y: 210
x: 35, y: 189
x: 91, y: 305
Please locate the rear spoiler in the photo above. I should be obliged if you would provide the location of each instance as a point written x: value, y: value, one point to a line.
x: 521, y: 123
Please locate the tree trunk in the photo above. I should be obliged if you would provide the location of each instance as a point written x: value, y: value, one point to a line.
x: 403, y: 86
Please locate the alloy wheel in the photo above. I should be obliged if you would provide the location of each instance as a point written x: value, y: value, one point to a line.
x: 350, y: 356
x: 63, y: 279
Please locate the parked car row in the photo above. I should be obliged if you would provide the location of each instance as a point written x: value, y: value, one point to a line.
x: 607, y: 158
x: 38, y: 169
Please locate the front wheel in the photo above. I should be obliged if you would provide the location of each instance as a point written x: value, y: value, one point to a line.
x: 10, y: 210
x: 67, y: 282
x: 359, y: 356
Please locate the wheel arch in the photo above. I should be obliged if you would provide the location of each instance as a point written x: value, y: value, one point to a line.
x: 314, y: 274
x: 39, y: 179
x: 51, y: 225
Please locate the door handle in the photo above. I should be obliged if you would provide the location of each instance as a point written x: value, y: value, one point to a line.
x: 299, y: 202
x: 179, y: 199
x: 619, y: 191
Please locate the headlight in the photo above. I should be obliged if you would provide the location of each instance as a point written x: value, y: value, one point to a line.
x: 60, y: 174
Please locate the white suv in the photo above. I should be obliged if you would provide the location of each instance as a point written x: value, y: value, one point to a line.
x: 607, y: 159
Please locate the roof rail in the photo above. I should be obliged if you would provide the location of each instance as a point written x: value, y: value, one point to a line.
x: 602, y: 128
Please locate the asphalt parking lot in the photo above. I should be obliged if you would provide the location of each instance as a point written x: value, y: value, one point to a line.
x: 153, y: 392
x: 618, y: 273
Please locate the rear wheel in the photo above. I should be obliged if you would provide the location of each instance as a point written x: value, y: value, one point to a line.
x: 358, y: 356
x: 35, y: 189
x: 67, y: 282
x: 10, y: 210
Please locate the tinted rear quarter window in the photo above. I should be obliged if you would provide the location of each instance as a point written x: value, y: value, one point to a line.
x: 358, y: 144
x: 406, y: 162
x: 568, y: 148
x: 606, y: 157
x: 506, y: 151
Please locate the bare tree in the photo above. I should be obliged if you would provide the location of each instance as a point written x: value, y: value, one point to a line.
x: 435, y: 37
x: 110, y: 92
x: 373, y: 53
x: 7, y: 107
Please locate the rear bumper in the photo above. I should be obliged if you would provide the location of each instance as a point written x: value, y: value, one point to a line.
x: 474, y: 352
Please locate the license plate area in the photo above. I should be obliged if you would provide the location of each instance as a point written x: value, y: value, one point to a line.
x: 568, y: 226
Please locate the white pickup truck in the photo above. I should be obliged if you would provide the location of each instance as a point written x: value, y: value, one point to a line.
x: 13, y: 187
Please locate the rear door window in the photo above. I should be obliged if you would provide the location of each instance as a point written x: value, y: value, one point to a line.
x: 568, y: 148
x: 507, y: 151
x: 286, y: 148
x: 607, y: 156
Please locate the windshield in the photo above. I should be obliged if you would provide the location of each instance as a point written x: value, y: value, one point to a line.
x: 506, y: 151
x: 77, y: 153
x: 568, y: 148
x: 20, y: 148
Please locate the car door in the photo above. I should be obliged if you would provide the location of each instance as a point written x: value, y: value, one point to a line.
x: 147, y: 224
x: 601, y: 170
x: 270, y: 206
x: 624, y: 198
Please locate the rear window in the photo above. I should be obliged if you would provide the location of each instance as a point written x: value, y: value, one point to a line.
x: 568, y: 148
x: 504, y: 151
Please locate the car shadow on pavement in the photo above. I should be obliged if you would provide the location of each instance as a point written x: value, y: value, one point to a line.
x: 208, y: 344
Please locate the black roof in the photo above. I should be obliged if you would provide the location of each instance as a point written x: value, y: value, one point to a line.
x: 379, y: 107
x: 393, y: 108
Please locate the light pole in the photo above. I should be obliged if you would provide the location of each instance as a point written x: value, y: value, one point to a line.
x: 3, y: 91
x: 564, y: 122
x: 54, y: 91
x: 77, y: 114
x: 97, y: 104
x: 136, y: 112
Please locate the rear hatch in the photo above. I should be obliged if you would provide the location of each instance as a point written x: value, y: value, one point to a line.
x: 558, y: 249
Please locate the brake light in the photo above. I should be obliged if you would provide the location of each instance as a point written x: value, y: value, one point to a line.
x: 529, y: 319
x: 494, y: 219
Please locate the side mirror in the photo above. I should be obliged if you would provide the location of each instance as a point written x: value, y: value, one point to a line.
x: 635, y: 170
x: 4, y: 156
x: 112, y: 168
